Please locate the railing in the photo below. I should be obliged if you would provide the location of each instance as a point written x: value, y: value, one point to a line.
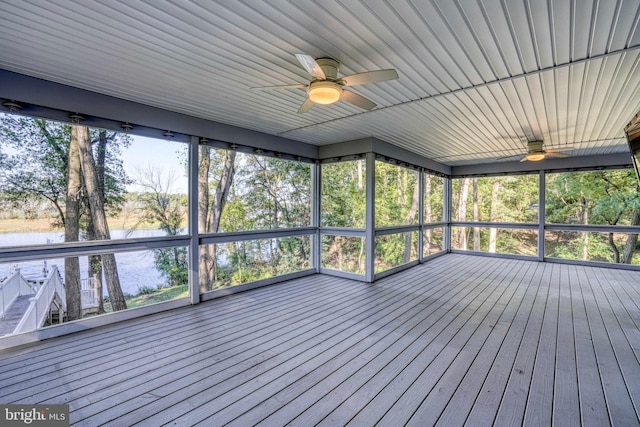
x: 88, y: 293
x: 40, y: 305
x: 11, y: 288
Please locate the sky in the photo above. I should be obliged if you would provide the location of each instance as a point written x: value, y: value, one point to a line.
x: 160, y: 154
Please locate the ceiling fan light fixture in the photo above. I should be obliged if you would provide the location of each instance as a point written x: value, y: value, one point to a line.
x: 324, y: 92
x: 535, y: 157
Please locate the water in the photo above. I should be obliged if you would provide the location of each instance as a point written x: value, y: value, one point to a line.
x: 135, y: 269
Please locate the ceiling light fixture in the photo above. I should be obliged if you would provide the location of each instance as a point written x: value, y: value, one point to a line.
x: 12, y: 106
x: 76, y: 118
x: 535, y: 157
x: 324, y: 92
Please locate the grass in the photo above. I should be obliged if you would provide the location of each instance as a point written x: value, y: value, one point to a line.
x: 162, y: 294
x: 23, y: 225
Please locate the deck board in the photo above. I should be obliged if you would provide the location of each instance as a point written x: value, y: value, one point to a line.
x: 458, y: 340
x: 593, y: 405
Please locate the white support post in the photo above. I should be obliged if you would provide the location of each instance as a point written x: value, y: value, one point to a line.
x: 420, y: 214
x: 370, y: 180
x: 194, y: 248
x: 446, y: 205
x: 316, y: 238
x: 541, y: 213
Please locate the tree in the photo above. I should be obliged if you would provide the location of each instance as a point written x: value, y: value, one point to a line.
x: 462, y: 212
x: 72, y: 226
x: 476, y: 215
x: 409, y: 219
x: 599, y: 197
x: 211, y: 206
x: 343, y: 204
x: 37, y: 167
x: 99, y: 218
x: 160, y: 206
x: 42, y: 166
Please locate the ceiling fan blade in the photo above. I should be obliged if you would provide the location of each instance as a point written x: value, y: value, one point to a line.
x: 357, y: 100
x: 508, y: 157
x: 306, y: 106
x: 557, y: 150
x: 524, y: 159
x: 294, y: 86
x: 370, y: 77
x: 555, y: 154
x: 310, y: 64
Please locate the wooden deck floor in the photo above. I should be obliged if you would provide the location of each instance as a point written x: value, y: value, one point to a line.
x: 458, y: 340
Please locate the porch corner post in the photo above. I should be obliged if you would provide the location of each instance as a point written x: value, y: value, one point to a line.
x: 447, y: 213
x: 370, y: 216
x: 421, y: 215
x: 542, y: 185
x: 194, y: 248
x: 316, y: 238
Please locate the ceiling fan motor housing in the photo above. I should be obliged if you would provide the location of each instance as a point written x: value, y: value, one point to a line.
x: 330, y: 67
x: 535, y: 146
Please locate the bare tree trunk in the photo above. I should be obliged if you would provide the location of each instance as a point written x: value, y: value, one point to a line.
x: 585, y: 238
x: 476, y: 230
x: 360, y: 175
x: 96, y: 201
x: 462, y: 212
x: 427, y: 212
x: 95, y: 261
x: 632, y: 241
x: 399, y: 192
x: 409, y: 219
x: 215, y: 209
x: 206, y: 263
x: 493, y: 232
x: 222, y: 190
x: 614, y: 248
x: 72, y: 227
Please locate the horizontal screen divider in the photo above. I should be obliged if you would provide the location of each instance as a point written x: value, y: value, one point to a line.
x: 630, y: 229
x: 239, y: 236
x: 343, y: 231
x: 90, y: 247
x: 383, y: 231
x: 520, y: 225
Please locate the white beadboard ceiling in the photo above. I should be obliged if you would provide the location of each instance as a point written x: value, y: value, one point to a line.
x: 478, y: 78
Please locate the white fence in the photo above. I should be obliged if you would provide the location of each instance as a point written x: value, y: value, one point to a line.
x: 11, y: 288
x: 40, y: 305
x: 88, y: 293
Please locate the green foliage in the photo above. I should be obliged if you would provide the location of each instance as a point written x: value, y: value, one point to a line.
x: 516, y: 199
x: 33, y: 163
x: 251, y: 260
x: 343, y: 253
x: 395, y: 187
x: 433, y: 198
x: 608, y: 197
x: 393, y: 250
x: 598, y: 197
x: 343, y: 194
x: 172, y: 263
x: 146, y: 290
x: 267, y: 193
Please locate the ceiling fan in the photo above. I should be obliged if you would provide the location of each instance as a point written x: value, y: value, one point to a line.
x: 536, y: 152
x: 325, y: 87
